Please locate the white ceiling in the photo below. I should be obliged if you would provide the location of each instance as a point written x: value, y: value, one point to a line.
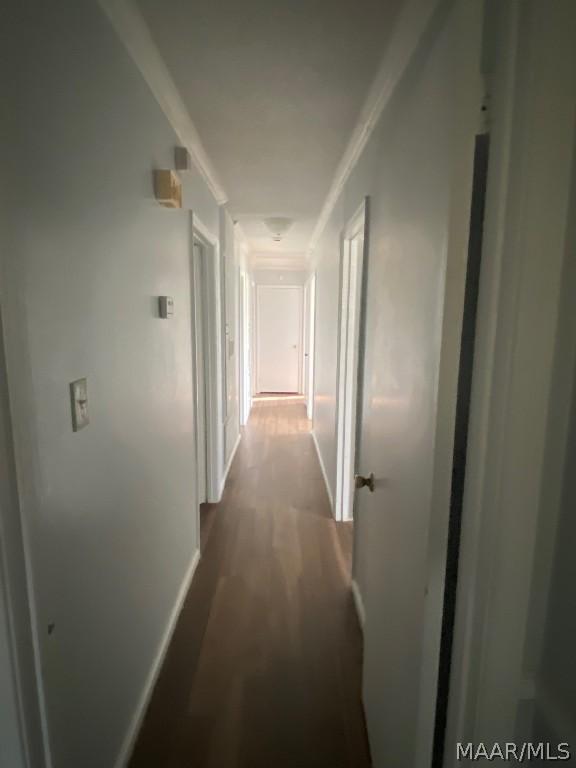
x: 274, y: 88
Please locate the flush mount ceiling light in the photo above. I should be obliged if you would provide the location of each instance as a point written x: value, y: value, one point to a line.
x: 278, y: 225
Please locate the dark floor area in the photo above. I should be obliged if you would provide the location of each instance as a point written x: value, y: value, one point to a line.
x: 265, y: 664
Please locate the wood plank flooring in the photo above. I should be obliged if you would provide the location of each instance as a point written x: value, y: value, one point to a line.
x: 264, y: 667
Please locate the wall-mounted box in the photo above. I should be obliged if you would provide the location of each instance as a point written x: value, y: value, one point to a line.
x: 182, y: 159
x: 165, y: 307
x: 168, y: 188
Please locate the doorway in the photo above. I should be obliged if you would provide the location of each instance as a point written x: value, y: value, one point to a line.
x: 279, y: 330
x: 468, y: 336
x: 200, y: 347
x: 20, y: 729
x: 351, y: 298
x: 207, y: 361
x: 309, y: 317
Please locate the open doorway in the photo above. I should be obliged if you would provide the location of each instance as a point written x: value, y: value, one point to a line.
x: 463, y: 399
x: 200, y: 348
x: 349, y: 361
x: 207, y: 361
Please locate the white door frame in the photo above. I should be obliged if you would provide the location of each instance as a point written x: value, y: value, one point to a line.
x: 213, y: 356
x: 310, y: 336
x: 199, y: 345
x: 350, y: 314
x: 245, y: 353
x: 502, y: 505
x: 283, y: 287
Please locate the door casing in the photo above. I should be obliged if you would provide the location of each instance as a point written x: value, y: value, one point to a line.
x: 354, y: 243
x: 212, y: 361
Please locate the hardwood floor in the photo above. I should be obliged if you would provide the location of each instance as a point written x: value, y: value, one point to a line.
x: 264, y: 667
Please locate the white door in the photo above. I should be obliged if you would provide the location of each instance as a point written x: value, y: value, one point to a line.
x: 279, y: 338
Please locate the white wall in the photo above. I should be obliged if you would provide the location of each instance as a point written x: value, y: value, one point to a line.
x: 279, y: 276
x: 110, y: 523
x: 553, y: 708
x: 551, y: 625
x: 408, y: 149
x: 326, y: 347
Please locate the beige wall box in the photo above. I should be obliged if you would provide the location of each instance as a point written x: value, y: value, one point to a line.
x: 168, y: 188
x: 165, y: 307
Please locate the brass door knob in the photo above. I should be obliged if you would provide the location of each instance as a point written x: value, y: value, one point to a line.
x: 361, y: 482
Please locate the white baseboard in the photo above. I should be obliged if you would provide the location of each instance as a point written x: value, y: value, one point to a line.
x: 146, y: 694
x: 359, y: 603
x: 323, y: 468
x: 229, y: 464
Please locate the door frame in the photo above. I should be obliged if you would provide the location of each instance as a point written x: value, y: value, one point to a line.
x: 300, y: 291
x: 213, y: 355
x: 20, y: 661
x: 199, y: 347
x: 494, y: 588
x: 309, y: 340
x: 10, y: 694
x: 13, y: 726
x: 350, y: 310
x: 461, y: 432
x: 245, y: 375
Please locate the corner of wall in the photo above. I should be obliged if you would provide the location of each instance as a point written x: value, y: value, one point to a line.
x: 323, y: 468
x: 148, y: 688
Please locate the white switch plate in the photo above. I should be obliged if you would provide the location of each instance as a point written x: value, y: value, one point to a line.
x: 165, y: 307
x: 79, y: 404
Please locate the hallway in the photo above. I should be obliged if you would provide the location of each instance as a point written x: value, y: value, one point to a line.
x: 265, y: 663
x: 267, y: 269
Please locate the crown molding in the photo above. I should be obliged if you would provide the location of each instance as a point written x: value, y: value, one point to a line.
x: 413, y: 21
x: 135, y: 35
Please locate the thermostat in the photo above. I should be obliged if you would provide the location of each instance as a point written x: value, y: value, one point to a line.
x: 165, y: 306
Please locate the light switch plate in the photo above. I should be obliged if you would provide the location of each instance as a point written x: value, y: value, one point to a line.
x: 79, y: 404
x: 165, y: 307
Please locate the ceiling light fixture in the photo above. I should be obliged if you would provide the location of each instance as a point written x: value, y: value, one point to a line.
x: 278, y: 226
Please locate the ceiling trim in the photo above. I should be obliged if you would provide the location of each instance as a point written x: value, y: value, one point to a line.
x: 412, y: 23
x: 134, y: 33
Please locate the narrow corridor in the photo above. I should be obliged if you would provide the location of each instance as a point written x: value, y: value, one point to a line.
x: 264, y: 669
